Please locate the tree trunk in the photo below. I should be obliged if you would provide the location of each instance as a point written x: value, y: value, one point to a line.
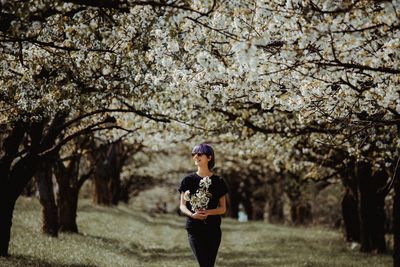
x: 378, y: 220
x: 258, y: 210
x: 67, y: 205
x: 107, y: 182
x: 115, y: 186
x: 30, y: 189
x: 6, y: 212
x: 46, y: 195
x: 371, y: 209
x: 69, y: 185
x: 275, y: 211
x: 396, y: 223
x: 350, y: 217
x: 372, y: 224
x: 233, y: 211
x: 234, y: 196
x: 7, y: 189
x: 365, y: 226
x: 20, y: 174
x: 248, y: 207
x: 101, y: 193
x: 275, y: 205
x: 15, y: 177
x: 300, y: 212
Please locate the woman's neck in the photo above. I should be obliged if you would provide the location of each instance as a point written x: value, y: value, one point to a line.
x: 203, y: 171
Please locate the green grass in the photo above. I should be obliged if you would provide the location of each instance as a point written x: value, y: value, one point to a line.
x: 125, y: 236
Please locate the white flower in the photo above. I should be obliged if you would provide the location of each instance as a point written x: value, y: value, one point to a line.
x: 205, y: 182
x: 202, y: 197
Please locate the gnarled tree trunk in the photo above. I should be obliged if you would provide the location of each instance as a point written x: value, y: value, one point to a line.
x: 248, y: 207
x: 106, y: 180
x: 44, y: 180
x: 233, y: 209
x: 8, y: 183
x: 67, y: 206
x: 6, y: 211
x: 69, y: 184
x: 275, y: 204
x: 300, y: 212
x: 350, y: 217
x: 258, y: 210
x: 14, y: 178
x: 396, y: 222
x: 275, y: 211
x: 19, y: 176
x: 67, y: 197
x: 371, y: 208
x: 234, y: 196
x: 30, y: 189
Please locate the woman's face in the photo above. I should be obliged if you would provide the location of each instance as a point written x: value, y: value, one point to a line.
x: 201, y: 159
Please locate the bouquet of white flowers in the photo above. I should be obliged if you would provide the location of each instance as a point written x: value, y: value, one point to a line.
x: 200, y: 199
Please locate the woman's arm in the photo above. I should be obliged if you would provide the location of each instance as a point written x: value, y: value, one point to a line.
x: 221, y: 208
x: 187, y: 212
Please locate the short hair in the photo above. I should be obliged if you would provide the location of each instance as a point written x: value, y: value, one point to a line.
x: 207, y: 150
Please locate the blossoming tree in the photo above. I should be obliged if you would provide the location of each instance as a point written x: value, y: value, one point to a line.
x: 327, y: 71
x: 65, y: 66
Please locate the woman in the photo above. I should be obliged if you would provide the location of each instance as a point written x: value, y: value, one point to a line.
x: 203, y: 201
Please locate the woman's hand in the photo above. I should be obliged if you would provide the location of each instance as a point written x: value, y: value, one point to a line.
x: 200, y: 215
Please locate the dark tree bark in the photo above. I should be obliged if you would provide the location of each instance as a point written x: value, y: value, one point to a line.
x: 300, y: 212
x: 67, y: 207
x: 396, y: 222
x: 259, y: 200
x: 350, y: 217
x: 234, y: 196
x: 6, y: 211
x: 258, y: 210
x: 101, y: 190
x: 108, y: 165
x: 7, y: 197
x: 30, y: 189
x: 275, y: 204
x: 19, y: 176
x: 371, y: 208
x: 378, y: 224
x: 41, y: 146
x: 44, y: 179
x: 233, y: 210
x: 69, y: 184
x: 300, y: 209
x: 14, y: 178
x: 275, y: 211
x: 67, y: 197
x: 248, y: 207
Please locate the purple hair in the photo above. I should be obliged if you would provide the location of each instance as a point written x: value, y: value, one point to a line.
x: 207, y: 150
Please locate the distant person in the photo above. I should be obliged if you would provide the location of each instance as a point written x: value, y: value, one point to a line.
x: 203, y: 201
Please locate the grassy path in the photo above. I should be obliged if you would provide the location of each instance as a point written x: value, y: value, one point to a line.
x: 124, y: 236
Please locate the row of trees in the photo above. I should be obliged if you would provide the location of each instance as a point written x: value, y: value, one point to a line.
x: 101, y: 162
x: 65, y: 67
x: 308, y: 89
x: 321, y: 78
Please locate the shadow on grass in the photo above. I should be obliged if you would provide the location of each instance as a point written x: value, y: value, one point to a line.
x: 138, y: 251
x: 150, y: 220
x: 29, y: 261
x: 173, y: 221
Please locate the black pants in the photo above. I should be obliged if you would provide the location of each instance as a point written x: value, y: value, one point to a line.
x: 205, y: 243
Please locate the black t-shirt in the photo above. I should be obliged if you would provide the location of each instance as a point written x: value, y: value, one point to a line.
x: 217, y: 189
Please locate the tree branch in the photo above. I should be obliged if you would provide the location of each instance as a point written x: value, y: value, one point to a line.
x: 358, y: 66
